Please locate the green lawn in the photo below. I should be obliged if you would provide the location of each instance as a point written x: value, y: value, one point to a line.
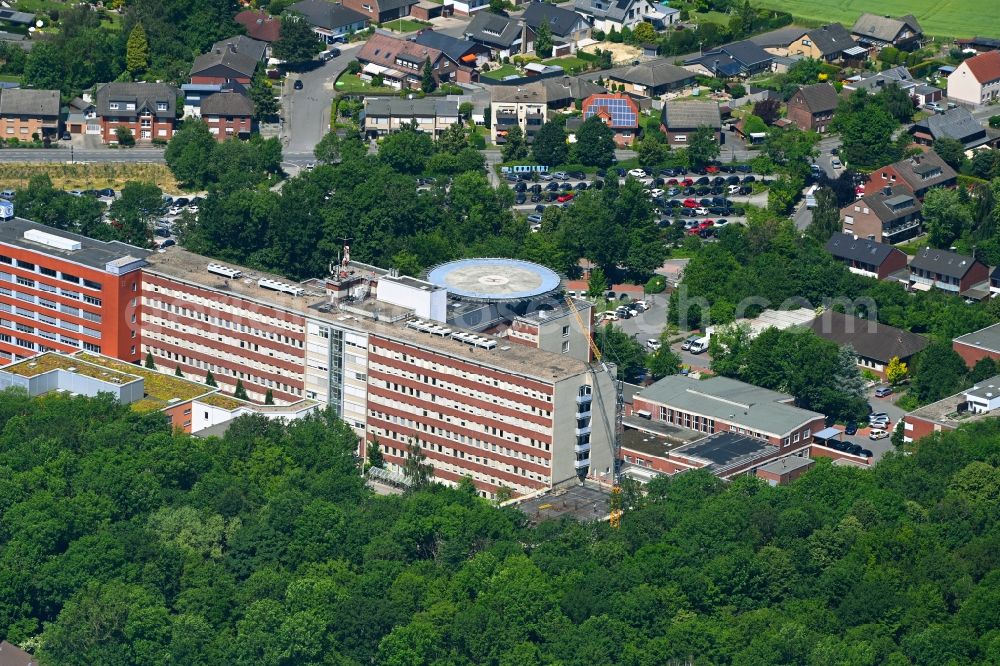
x: 404, y: 25
x: 569, y: 63
x: 499, y: 74
x: 948, y: 18
x: 349, y: 83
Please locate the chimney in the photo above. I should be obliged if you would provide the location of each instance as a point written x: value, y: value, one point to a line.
x: 855, y: 237
x: 524, y: 36
x: 887, y: 190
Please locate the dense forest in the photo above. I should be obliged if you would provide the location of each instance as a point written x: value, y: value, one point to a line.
x: 124, y: 543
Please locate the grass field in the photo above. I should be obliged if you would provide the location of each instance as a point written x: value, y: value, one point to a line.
x: 351, y: 84
x: 93, y: 176
x: 941, y: 18
x: 404, y: 25
x: 499, y: 74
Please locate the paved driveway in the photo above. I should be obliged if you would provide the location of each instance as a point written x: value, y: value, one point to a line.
x: 306, y: 112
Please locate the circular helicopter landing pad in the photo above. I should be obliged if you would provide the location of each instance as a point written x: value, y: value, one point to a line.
x: 494, y: 279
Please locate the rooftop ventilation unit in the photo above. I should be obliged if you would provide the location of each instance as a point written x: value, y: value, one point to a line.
x: 51, y: 240
x: 274, y: 285
x: 224, y: 271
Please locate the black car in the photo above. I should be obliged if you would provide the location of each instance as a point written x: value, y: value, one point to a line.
x: 717, y: 190
x: 581, y: 186
x: 520, y: 187
x: 743, y: 168
x: 854, y: 449
x: 851, y: 429
x: 866, y: 453
x: 746, y: 190
x: 565, y: 187
x: 162, y: 232
x: 536, y: 197
x: 719, y: 201
x: 659, y: 182
x: 704, y: 191
x: 688, y: 191
x: 727, y: 168
x: 298, y: 84
x: 539, y: 208
x: 181, y: 201
x: 550, y: 196
x: 733, y: 180
x: 576, y: 175
x: 598, y: 185
x: 704, y: 180
x: 168, y: 242
x: 552, y: 187
x: 602, y: 173
x: 748, y: 179
x: 621, y: 172
x: 106, y: 192
x: 520, y: 198
x: 718, y: 180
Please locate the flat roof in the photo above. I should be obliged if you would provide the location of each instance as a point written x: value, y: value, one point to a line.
x: 492, y: 279
x: 160, y: 388
x: 987, y: 389
x: 788, y: 464
x: 179, y: 264
x: 648, y: 443
x: 38, y: 365
x: 580, y: 502
x: 92, y: 253
x: 724, y: 450
x: 985, y: 338
x: 673, y: 433
x: 779, y: 319
x: 732, y: 401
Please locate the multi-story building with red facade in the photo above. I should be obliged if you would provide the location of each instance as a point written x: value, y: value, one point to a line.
x: 64, y: 292
x: 228, y: 115
x: 981, y: 401
x: 148, y: 110
x: 526, y: 413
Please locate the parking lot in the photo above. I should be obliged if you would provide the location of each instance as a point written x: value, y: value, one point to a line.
x: 701, y: 202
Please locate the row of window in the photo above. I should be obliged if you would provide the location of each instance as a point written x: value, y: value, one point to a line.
x: 460, y: 438
x: 224, y: 371
x: 478, y: 377
x: 51, y: 272
x: 160, y: 329
x: 238, y: 314
x: 685, y: 420
x: 72, y: 342
x: 65, y: 325
x: 456, y: 468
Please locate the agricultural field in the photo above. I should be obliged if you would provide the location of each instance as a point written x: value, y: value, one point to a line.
x: 94, y: 176
x: 940, y: 18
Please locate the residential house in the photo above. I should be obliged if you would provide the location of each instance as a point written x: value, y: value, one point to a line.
x: 918, y: 174
x: 812, y: 107
x: 949, y: 271
x: 890, y: 215
x: 662, y: 17
x: 652, y: 79
x: 618, y: 112
x: 563, y: 92
x: 867, y: 257
x: 778, y: 41
x: 148, y: 110
x: 523, y: 106
x: 384, y: 115
x: 826, y: 43
x: 872, y: 82
x: 28, y: 114
x: 502, y: 35
x: 958, y: 124
x: 232, y: 60
x: 979, y: 44
x: 923, y: 94
x: 464, y: 51
x: 12, y: 17
x: 680, y: 119
x: 567, y: 27
x: 380, y: 11
x: 739, y: 59
x: 607, y: 15
x: 465, y: 7
x: 260, y: 25
x: 976, y: 80
x: 875, y: 32
x: 332, y: 22
x: 228, y: 115
x: 973, y: 404
x: 874, y: 344
x: 400, y: 62
x: 975, y: 346
x: 81, y: 117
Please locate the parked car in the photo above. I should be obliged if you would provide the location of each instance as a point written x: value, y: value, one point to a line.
x: 883, y: 391
x: 835, y: 163
x: 560, y: 175
x: 535, y: 219
x: 577, y: 175
x: 565, y: 197
x: 637, y: 173
x: 167, y: 243
x: 520, y: 198
x: 878, y: 433
x: 851, y: 429
x: 654, y: 344
x: 8, y: 194
x: 298, y: 84
x: 686, y: 345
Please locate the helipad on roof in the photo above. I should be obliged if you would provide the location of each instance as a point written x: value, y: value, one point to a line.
x: 494, y: 279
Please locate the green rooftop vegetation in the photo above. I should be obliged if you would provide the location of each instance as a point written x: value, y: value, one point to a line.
x: 223, y: 401
x: 47, y: 362
x: 158, y: 387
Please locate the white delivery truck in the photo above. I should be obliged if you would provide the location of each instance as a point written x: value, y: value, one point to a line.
x: 700, y: 345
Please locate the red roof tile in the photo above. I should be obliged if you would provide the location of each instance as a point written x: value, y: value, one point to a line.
x: 985, y: 66
x: 260, y: 25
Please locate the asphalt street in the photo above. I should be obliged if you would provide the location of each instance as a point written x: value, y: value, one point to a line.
x: 306, y: 112
x: 133, y: 155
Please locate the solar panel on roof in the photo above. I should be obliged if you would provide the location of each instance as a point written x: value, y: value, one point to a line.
x: 621, y: 112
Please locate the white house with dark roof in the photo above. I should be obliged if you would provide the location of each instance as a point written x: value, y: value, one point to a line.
x: 605, y: 15
x: 502, y: 35
x: 567, y: 27
x: 876, y: 31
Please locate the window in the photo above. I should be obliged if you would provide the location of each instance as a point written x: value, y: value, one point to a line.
x: 25, y: 281
x: 565, y: 331
x: 91, y: 300
x: 92, y: 285
x: 113, y: 106
x: 161, y: 106
x: 680, y: 138
x: 71, y: 278
x: 27, y: 265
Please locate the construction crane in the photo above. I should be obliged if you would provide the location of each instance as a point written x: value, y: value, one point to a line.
x: 615, y: 437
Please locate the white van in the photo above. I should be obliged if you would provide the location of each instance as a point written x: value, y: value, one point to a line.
x: 878, y: 433
x: 698, y: 346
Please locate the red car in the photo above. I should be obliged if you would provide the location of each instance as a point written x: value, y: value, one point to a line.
x: 672, y: 181
x: 690, y: 203
x: 706, y: 224
x: 712, y: 169
x: 687, y: 182
x: 564, y: 197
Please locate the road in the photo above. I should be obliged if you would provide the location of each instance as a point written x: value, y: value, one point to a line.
x: 133, y: 155
x: 306, y: 113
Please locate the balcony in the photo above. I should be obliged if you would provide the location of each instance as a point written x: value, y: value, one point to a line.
x: 582, y: 464
x: 900, y: 228
x: 584, y: 399
x: 585, y: 430
x: 586, y: 414
x: 582, y: 448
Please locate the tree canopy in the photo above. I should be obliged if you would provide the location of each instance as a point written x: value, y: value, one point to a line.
x: 127, y: 543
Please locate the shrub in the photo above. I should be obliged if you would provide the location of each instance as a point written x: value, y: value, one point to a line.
x: 353, y: 67
x: 656, y: 285
x: 994, y: 121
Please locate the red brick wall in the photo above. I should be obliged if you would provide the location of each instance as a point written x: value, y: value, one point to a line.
x: 894, y: 262
x: 663, y: 465
x: 238, y: 126
x: 213, y: 80
x: 817, y: 451
x: 110, y: 125
x: 972, y: 354
x: 977, y: 274
x: 921, y: 427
